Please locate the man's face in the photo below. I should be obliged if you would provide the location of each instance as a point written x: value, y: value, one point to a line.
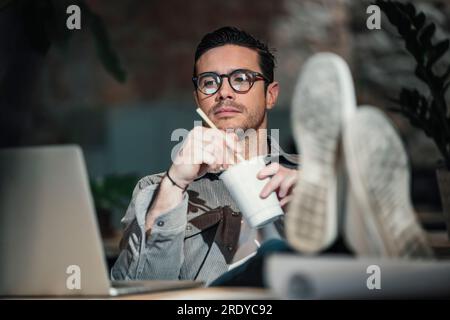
x: 228, y: 108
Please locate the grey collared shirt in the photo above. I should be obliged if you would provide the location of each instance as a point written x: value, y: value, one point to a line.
x: 199, y: 239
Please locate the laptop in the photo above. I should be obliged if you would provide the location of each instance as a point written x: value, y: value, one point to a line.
x: 343, y: 277
x: 50, y: 243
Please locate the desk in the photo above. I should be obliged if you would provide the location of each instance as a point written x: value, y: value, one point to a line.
x: 216, y: 293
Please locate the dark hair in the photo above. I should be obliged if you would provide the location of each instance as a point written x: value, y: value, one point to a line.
x: 233, y: 35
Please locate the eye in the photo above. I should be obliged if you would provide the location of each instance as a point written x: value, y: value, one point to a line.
x: 208, y: 82
x: 240, y: 77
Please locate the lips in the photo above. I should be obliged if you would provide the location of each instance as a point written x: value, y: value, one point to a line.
x: 226, y: 111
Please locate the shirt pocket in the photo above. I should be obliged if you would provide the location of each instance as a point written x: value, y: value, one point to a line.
x: 203, y: 222
x: 221, y: 226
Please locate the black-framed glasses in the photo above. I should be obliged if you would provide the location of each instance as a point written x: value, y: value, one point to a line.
x: 240, y: 80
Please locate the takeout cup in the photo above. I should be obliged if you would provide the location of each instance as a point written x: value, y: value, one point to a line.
x: 244, y: 186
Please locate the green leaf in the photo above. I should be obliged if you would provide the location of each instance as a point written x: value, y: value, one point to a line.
x: 113, y: 192
x: 438, y: 51
x: 409, y: 9
x: 424, y: 113
x: 391, y: 11
x: 413, y: 47
x: 420, y: 73
x: 427, y: 34
x: 446, y: 75
x: 446, y: 87
x: 414, y: 105
x: 419, y: 21
x: 106, y: 53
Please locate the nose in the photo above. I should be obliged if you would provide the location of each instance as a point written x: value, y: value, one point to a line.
x: 225, y: 91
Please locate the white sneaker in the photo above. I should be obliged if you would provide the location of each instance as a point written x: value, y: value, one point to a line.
x: 380, y: 219
x: 324, y: 100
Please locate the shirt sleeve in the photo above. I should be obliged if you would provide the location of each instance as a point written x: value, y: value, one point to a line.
x: 158, y: 255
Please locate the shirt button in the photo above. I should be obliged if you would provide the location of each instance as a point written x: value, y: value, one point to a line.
x: 235, y: 214
x: 188, y: 227
x: 160, y: 223
x: 230, y: 248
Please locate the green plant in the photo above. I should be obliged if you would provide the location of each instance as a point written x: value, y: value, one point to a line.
x: 113, y: 192
x: 45, y: 24
x: 428, y: 112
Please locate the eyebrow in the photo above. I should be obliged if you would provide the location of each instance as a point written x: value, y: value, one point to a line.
x: 228, y: 72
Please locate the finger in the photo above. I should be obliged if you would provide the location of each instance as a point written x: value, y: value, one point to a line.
x: 208, y: 158
x: 230, y: 139
x: 203, y: 154
x: 210, y: 147
x: 201, y: 139
x: 269, y: 170
x: 204, y: 158
x: 286, y: 200
x: 216, y: 148
x: 199, y: 146
x: 203, y: 135
x: 286, y: 185
x: 198, y: 133
x: 224, y: 155
x: 230, y: 157
x: 272, y: 185
x: 219, y: 151
x: 214, y: 168
x: 226, y: 145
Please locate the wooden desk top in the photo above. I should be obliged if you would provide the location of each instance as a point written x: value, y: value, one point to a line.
x: 216, y: 293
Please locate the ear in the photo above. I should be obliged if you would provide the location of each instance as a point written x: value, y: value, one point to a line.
x: 194, y: 93
x: 272, y: 95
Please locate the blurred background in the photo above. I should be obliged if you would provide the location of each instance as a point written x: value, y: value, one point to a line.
x: 119, y: 86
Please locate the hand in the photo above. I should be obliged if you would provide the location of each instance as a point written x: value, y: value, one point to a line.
x: 204, y: 150
x: 282, y: 181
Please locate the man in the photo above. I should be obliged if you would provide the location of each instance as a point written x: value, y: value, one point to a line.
x: 353, y: 194
x: 183, y: 224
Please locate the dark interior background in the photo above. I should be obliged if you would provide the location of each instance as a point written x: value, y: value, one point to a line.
x: 55, y: 90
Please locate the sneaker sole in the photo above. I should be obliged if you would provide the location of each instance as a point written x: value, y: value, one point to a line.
x: 378, y: 171
x: 324, y: 99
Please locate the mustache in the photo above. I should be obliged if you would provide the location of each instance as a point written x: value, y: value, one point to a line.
x: 227, y: 103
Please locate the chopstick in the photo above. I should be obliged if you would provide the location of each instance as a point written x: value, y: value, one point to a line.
x: 212, y: 125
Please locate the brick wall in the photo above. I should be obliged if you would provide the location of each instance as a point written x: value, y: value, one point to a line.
x: 156, y: 41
